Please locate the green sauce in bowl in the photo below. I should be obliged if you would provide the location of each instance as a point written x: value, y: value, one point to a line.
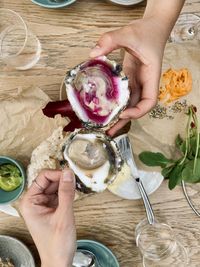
x: 12, y: 179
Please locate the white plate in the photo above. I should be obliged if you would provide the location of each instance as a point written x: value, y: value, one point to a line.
x: 125, y: 186
x: 49, y: 4
x: 126, y: 2
x: 8, y: 209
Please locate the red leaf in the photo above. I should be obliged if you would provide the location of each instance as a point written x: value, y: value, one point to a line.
x: 59, y: 107
x: 64, y: 109
x: 74, y: 124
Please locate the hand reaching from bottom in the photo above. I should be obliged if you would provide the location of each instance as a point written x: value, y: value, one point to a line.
x: 47, y: 209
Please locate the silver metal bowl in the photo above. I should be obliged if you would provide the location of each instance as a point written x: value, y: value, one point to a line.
x: 13, y: 249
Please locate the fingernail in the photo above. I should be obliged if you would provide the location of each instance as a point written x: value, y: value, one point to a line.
x: 95, y: 51
x: 68, y: 176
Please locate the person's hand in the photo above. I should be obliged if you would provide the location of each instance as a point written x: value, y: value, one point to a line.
x: 144, y: 41
x: 47, y: 209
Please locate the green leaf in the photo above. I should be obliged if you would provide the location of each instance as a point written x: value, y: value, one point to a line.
x: 154, y: 159
x: 193, y: 144
x: 179, y: 141
x: 166, y: 171
x: 175, y: 176
x: 188, y: 174
x: 183, y: 147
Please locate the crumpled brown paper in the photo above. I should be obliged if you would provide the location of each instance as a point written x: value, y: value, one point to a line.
x: 24, y: 127
x: 159, y: 135
x: 22, y: 124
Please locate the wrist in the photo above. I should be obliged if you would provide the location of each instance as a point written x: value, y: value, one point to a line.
x: 59, y: 263
x: 161, y: 29
x: 55, y: 264
x: 164, y: 12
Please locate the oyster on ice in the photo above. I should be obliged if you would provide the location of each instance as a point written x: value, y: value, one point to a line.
x: 94, y: 158
x: 97, y: 91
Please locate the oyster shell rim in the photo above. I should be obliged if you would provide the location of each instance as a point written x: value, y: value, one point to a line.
x: 71, y: 74
x: 118, y: 161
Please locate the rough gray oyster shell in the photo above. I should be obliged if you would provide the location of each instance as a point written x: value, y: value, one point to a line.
x: 94, y: 158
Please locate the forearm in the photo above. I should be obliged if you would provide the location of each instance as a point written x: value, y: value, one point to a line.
x: 165, y: 12
x: 54, y: 265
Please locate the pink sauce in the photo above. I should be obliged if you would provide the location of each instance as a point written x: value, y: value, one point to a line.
x: 112, y: 92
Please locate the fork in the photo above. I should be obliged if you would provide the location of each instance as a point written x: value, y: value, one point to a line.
x: 125, y: 148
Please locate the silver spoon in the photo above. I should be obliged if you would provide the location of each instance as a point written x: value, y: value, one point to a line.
x: 125, y: 147
x: 85, y: 258
x: 145, y: 198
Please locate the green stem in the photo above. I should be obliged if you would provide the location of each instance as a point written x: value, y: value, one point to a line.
x: 187, y: 140
x: 197, y: 140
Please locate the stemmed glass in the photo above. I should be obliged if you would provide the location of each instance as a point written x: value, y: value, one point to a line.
x: 159, y: 246
x: 19, y: 47
x: 186, y: 28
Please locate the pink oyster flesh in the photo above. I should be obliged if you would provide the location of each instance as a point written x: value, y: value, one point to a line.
x: 97, y: 90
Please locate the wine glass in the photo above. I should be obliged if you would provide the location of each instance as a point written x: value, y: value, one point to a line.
x: 186, y: 28
x: 159, y: 245
x: 19, y: 47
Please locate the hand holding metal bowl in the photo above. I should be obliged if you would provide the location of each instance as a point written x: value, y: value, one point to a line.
x: 97, y: 92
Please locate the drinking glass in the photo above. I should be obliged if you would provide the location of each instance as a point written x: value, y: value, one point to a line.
x: 159, y: 246
x: 186, y: 28
x: 19, y: 47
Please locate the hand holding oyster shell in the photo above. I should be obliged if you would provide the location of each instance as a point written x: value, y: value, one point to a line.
x: 144, y: 41
x: 97, y: 92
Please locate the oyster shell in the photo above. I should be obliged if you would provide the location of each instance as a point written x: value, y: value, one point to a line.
x: 94, y: 158
x: 97, y: 91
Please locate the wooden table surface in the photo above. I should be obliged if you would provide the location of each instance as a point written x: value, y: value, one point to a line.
x: 66, y: 36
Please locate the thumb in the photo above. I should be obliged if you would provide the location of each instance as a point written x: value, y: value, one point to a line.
x: 107, y: 43
x: 66, y: 191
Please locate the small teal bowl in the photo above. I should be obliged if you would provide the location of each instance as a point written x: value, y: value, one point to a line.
x: 51, y: 4
x: 8, y: 197
x: 103, y: 254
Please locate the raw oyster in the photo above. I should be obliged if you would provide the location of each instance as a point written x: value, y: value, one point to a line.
x: 94, y: 158
x: 97, y: 91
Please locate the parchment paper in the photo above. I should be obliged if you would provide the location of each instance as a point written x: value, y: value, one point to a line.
x: 23, y: 127
x: 22, y: 123
x: 159, y: 134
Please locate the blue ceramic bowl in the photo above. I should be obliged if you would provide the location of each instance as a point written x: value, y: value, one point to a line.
x: 103, y: 254
x: 51, y: 4
x: 7, y: 197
